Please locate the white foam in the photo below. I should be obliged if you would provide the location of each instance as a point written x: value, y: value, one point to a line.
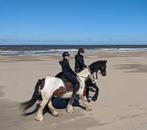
x: 59, y: 51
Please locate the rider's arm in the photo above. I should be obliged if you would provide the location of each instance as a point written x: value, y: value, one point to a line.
x: 70, y: 70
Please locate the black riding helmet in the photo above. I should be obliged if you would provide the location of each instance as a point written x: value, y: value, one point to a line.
x: 81, y: 50
x: 65, y: 54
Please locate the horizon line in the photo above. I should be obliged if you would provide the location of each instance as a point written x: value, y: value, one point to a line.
x: 72, y: 44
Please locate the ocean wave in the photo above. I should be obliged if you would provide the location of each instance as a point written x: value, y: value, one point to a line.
x: 123, y: 49
x: 35, y: 52
x: 60, y: 51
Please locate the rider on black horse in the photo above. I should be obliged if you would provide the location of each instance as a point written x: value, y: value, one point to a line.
x: 79, y: 66
x: 79, y: 60
x: 69, y: 74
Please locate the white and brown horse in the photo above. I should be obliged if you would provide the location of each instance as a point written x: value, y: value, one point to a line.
x: 50, y: 87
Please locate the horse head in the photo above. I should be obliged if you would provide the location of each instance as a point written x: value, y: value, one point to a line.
x: 103, y: 67
x: 98, y: 66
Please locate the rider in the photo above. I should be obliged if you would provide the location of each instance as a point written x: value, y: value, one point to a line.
x: 79, y: 60
x: 80, y: 65
x: 69, y: 73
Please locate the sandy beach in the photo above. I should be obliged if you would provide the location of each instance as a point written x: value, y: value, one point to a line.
x: 121, y: 104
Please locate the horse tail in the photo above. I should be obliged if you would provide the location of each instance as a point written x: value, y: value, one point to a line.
x: 39, y: 86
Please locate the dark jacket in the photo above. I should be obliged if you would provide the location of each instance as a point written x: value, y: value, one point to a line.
x: 79, y: 62
x: 66, y: 69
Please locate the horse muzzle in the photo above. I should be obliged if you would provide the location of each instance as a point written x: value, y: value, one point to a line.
x: 104, y: 73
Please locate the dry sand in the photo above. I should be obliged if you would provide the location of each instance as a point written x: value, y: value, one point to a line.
x: 121, y: 103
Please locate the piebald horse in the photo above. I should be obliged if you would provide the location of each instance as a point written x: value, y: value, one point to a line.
x: 50, y: 87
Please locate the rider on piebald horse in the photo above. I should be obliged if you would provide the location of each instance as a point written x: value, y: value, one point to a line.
x: 69, y: 74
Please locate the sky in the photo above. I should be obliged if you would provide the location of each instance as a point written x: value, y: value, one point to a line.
x: 73, y: 22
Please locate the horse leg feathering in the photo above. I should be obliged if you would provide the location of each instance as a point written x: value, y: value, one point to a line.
x: 39, y: 85
x: 52, y: 109
x: 39, y: 116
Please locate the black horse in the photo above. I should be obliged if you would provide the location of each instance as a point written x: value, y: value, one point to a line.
x: 98, y: 65
x: 94, y: 68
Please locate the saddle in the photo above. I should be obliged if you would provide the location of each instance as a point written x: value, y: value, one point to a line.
x: 61, y: 76
x: 62, y: 90
x: 67, y: 83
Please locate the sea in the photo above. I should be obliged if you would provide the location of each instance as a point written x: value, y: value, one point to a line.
x: 37, y: 50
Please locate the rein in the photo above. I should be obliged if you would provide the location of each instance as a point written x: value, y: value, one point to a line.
x: 81, y: 76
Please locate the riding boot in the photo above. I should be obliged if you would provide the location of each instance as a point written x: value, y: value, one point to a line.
x: 74, y: 95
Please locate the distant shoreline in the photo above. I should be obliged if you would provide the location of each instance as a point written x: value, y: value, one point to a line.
x: 82, y: 45
x: 33, y: 50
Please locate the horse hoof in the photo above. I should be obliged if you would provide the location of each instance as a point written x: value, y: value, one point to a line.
x: 55, y: 114
x: 38, y: 119
x: 94, y: 99
x: 88, y: 109
x: 69, y: 110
